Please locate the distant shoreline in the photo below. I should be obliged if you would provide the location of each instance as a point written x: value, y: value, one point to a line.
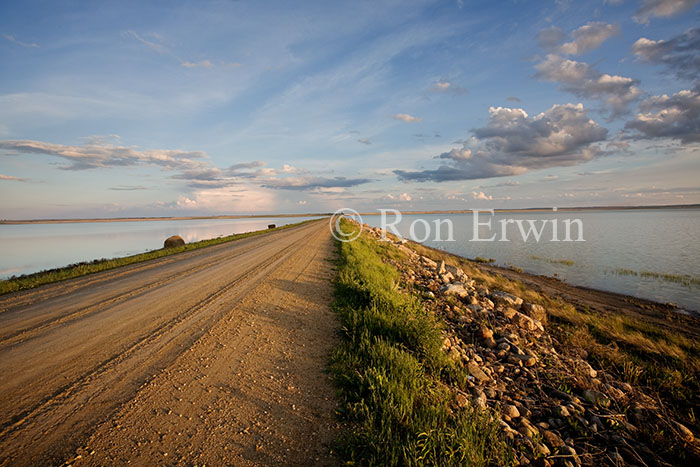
x: 149, y: 219
x: 325, y: 214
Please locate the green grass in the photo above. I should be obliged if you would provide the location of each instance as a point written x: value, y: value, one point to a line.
x: 684, y: 279
x: 565, y: 262
x: 393, y: 377
x: 29, y: 281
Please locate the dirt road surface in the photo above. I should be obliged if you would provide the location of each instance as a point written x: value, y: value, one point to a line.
x: 210, y: 357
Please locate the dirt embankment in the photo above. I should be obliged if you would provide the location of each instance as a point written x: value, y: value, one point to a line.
x: 208, y: 357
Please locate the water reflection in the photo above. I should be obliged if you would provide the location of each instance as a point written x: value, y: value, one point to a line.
x: 661, y: 241
x: 34, y: 247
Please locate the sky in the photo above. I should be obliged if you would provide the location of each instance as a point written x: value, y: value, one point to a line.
x: 114, y: 109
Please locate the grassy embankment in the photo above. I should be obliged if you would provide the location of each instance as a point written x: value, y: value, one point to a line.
x: 393, y: 376
x: 29, y: 281
x: 666, y: 364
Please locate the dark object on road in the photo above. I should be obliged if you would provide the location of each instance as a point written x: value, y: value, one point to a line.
x: 271, y: 226
x: 172, y: 242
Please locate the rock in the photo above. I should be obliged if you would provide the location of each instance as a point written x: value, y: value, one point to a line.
x: 522, y: 360
x: 446, y: 344
x: 174, y: 241
x: 464, y: 319
x: 454, y: 289
x: 552, y: 439
x: 509, y: 312
x: 597, y: 423
x: 461, y: 400
x: 441, y: 268
x: 489, y: 342
x: 596, y: 397
x: 479, y: 398
x: 428, y: 262
x: 535, y: 311
x: 526, y: 428
x: 560, y: 395
x: 584, y: 367
x: 271, y: 226
x: 570, y: 452
x: 446, y: 278
x: 486, y: 333
x: 685, y: 434
x: 542, y: 450
x: 511, y: 411
x: 561, y: 411
x: 476, y: 372
x: 507, y: 299
x: 526, y: 322
x: 455, y: 271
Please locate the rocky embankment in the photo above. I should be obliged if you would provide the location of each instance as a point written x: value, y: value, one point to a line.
x: 553, y: 405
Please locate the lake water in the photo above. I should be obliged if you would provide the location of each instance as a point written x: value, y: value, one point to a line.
x: 27, y: 248
x: 661, y: 246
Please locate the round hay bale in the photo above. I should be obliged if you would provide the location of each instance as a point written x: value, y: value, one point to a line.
x: 271, y: 226
x: 172, y: 242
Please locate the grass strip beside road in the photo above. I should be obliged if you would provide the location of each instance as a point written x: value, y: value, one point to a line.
x: 30, y: 281
x: 393, y: 377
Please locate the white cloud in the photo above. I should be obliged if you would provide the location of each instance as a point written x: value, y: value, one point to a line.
x: 230, y: 199
x: 661, y: 8
x: 481, y: 196
x: 14, y: 40
x: 200, y: 64
x: 95, y: 155
x: 615, y: 92
x: 307, y: 183
x: 680, y: 54
x: 513, y: 143
x: 675, y: 117
x: 151, y: 44
x: 445, y: 86
x: 457, y: 154
x: 11, y: 178
x: 407, y: 118
x: 588, y: 37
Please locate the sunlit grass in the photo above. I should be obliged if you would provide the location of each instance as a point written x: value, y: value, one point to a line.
x: 393, y: 376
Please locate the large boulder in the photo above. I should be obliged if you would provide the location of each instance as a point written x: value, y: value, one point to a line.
x: 455, y: 289
x: 504, y: 298
x: 174, y: 241
x: 535, y: 311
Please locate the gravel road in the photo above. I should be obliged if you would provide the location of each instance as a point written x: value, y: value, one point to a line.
x: 213, y: 356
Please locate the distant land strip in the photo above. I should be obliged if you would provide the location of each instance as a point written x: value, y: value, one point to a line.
x: 325, y: 214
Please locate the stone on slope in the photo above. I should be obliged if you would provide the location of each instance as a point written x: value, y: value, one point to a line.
x: 507, y: 299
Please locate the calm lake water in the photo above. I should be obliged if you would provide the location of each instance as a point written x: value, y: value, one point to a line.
x: 662, y: 244
x: 27, y: 248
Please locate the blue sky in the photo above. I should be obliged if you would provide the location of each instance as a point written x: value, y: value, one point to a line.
x: 237, y: 107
